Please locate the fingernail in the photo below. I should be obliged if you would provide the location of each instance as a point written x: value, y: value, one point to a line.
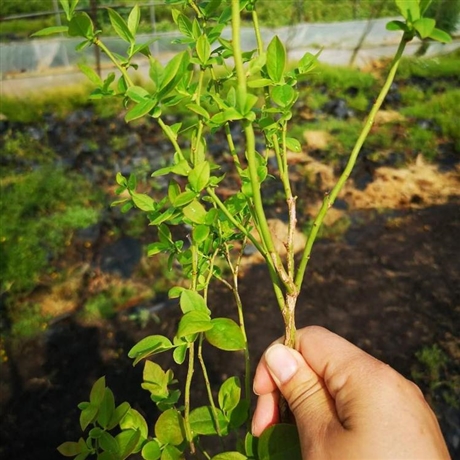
x: 281, y: 363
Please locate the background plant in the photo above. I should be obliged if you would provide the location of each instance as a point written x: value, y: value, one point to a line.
x: 255, y: 93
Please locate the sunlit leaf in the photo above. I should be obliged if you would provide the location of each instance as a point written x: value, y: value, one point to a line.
x: 276, y: 59
x: 120, y: 26
x: 225, y: 335
x: 169, y: 428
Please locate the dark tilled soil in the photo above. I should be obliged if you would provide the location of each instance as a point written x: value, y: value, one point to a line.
x: 391, y: 286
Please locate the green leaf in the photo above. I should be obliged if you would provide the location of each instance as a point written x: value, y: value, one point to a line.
x: 250, y: 445
x: 293, y: 144
x: 256, y: 63
x: 108, y: 442
x: 180, y: 353
x: 127, y: 441
x: 169, y: 428
x: 97, y: 391
x: 397, y: 25
x: 227, y: 115
x: 279, y: 442
x: 424, y: 26
x: 171, y: 453
x: 276, y: 59
x: 118, y: 414
x: 192, y: 301
x: 151, y: 451
x: 198, y: 109
x: 308, y: 62
x: 134, y: 19
x: 91, y: 74
x: 120, y: 26
x: 203, y: 49
x: 88, y: 415
x: 239, y: 414
x: 139, y: 110
x: 225, y: 335
x: 229, y: 394
x: 183, y: 23
x: 184, y: 198
x: 133, y: 420
x: 106, y: 409
x: 69, y: 449
x: 182, y: 168
x: 199, y: 176
x: 283, y: 95
x: 149, y: 346
x: 229, y: 456
x: 202, y: 421
x: 143, y: 202
x: 195, y: 212
x: 260, y: 83
x: 50, y: 31
x: 200, y: 233
x: 440, y: 36
x: 410, y: 9
x: 193, y: 322
x: 171, y: 74
x: 137, y: 93
x: 81, y: 26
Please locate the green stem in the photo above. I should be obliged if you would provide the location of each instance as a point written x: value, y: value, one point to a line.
x: 330, y: 198
x: 208, y: 384
x: 188, y: 385
x: 115, y: 61
x: 171, y: 137
x: 255, y: 21
x: 231, y: 146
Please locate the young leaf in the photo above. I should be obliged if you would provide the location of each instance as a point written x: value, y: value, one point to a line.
x: 202, y: 421
x: 81, y: 26
x: 283, y: 95
x: 108, y: 443
x: 184, y: 198
x: 410, y: 9
x: 69, y: 449
x: 180, y: 353
x: 118, y: 414
x: 397, y: 25
x: 88, y: 415
x: 91, y: 74
x: 225, y: 335
x: 143, y: 201
x: 127, y: 442
x: 134, y: 19
x: 171, y: 453
x: 192, y: 323
x: 149, y: 346
x: 50, y: 31
x: 106, y: 409
x: 141, y: 109
x: 276, y: 59
x: 229, y: 394
x: 200, y: 233
x: 203, y: 49
x: 293, y: 144
x: 279, y: 442
x: 440, y: 36
x: 120, y: 26
x: 133, y: 420
x: 424, y: 26
x: 198, y: 109
x: 195, y: 212
x: 137, y: 93
x: 169, y: 428
x: 172, y: 72
x: 151, y: 451
x: 97, y: 392
x: 199, y: 176
x: 192, y: 301
x: 229, y: 456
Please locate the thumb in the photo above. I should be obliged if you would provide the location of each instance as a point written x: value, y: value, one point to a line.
x: 304, y: 391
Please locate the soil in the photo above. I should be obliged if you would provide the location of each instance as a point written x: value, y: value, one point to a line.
x: 391, y: 288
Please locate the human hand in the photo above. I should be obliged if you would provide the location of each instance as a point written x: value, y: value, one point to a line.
x: 347, y: 404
